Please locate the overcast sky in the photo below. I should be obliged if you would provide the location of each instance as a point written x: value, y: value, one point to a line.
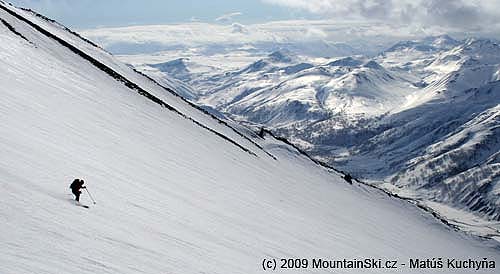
x: 471, y: 16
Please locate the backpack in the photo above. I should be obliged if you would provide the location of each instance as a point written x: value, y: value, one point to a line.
x: 74, y: 184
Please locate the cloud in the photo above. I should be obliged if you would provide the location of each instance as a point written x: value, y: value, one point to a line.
x: 194, y: 34
x: 239, y: 28
x: 309, y: 37
x: 315, y: 33
x: 227, y: 17
x: 464, y: 14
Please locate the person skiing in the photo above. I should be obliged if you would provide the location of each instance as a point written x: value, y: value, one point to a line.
x: 75, y: 188
x: 348, y: 178
x: 262, y: 132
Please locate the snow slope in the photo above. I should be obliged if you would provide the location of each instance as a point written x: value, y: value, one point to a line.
x: 177, y: 191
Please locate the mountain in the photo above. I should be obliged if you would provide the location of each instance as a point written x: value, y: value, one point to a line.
x: 278, y: 93
x: 471, y: 65
x: 418, y: 119
x: 176, y: 68
x: 177, y: 189
x: 442, y: 145
x: 428, y: 44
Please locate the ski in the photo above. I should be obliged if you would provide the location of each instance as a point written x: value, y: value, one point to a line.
x: 84, y: 206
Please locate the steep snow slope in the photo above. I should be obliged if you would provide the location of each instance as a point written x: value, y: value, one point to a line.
x: 123, y: 73
x: 173, y: 196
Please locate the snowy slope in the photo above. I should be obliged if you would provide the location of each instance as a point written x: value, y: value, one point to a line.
x: 123, y: 73
x: 173, y: 195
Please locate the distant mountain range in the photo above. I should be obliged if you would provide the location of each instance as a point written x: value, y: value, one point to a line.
x: 421, y: 118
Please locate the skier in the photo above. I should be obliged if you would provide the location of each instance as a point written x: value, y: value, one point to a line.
x: 262, y: 132
x: 348, y: 178
x: 75, y: 188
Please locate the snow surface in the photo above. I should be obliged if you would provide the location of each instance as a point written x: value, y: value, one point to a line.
x: 172, y: 196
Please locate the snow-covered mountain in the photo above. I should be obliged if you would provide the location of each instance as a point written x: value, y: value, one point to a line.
x: 177, y: 190
x: 428, y: 44
x: 281, y: 89
x: 420, y: 116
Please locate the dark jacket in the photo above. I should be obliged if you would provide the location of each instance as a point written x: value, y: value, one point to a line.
x: 76, y: 185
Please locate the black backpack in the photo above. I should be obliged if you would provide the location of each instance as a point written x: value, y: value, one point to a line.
x: 75, y: 184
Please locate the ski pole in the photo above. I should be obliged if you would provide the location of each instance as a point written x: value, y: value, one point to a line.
x: 90, y: 196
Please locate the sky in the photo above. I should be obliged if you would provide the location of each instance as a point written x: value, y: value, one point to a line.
x: 83, y: 14
x: 124, y: 26
x: 467, y: 15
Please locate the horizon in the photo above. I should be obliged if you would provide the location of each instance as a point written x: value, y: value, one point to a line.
x: 455, y: 18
